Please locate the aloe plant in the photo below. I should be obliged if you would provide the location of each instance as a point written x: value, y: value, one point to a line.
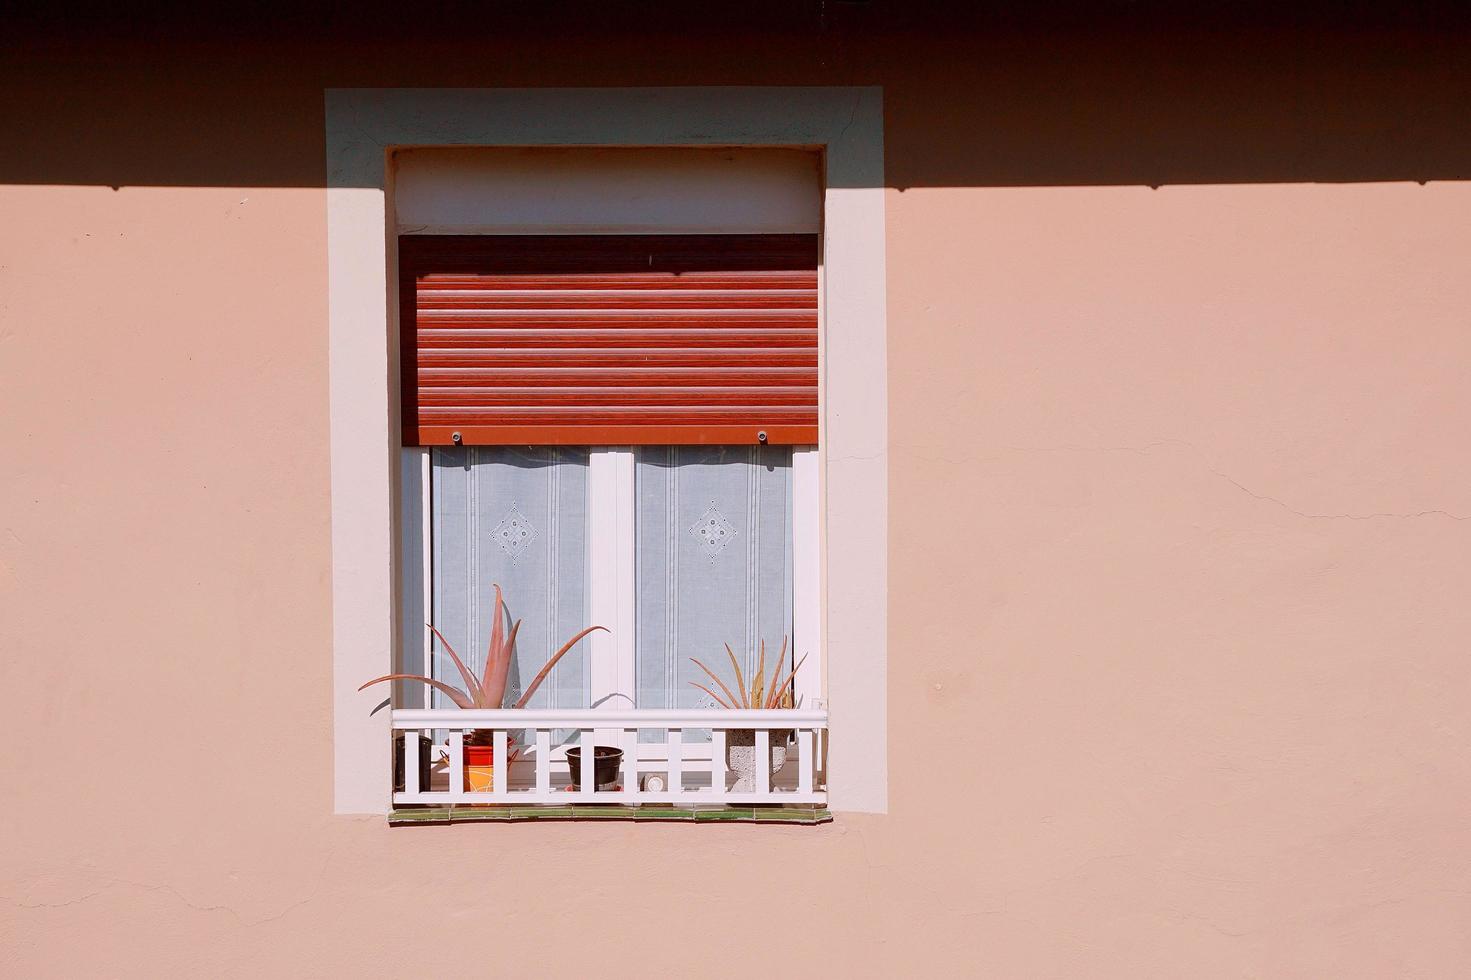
x: 759, y: 693
x: 488, y: 690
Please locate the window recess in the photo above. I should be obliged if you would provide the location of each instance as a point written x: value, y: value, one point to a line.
x: 617, y: 430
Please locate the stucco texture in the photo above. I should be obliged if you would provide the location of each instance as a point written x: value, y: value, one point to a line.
x: 1180, y: 526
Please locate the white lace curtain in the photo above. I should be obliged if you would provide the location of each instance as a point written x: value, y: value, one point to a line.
x: 518, y: 517
x: 713, y: 563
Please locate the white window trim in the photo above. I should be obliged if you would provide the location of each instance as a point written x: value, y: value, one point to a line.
x: 610, y: 562
x: 363, y: 125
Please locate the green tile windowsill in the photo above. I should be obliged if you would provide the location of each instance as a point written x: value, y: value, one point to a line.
x: 639, y: 814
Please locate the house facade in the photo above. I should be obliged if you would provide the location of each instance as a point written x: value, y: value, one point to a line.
x: 989, y: 492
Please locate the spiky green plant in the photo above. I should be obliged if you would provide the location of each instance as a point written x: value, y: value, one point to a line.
x: 759, y: 693
x: 488, y: 690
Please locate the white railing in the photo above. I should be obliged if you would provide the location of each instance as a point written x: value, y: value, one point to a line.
x: 689, y: 773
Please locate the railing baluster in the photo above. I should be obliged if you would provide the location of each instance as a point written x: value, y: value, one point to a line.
x: 411, y: 761
x: 500, y: 774
x: 630, y: 765
x: 717, y: 762
x: 763, y: 762
x: 805, y: 760
x: 674, y: 740
x: 543, y: 764
x: 456, y: 761
x: 589, y: 765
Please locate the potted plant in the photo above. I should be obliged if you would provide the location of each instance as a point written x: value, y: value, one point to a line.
x: 487, y: 691
x: 400, y: 777
x: 740, y: 744
x: 606, y: 762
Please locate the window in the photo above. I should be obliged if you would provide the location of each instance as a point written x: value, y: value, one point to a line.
x: 691, y: 175
x: 618, y: 430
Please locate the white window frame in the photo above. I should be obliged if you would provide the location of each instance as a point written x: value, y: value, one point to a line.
x: 612, y: 580
x: 363, y: 127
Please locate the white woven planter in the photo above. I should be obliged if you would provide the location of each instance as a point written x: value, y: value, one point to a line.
x: 740, y: 756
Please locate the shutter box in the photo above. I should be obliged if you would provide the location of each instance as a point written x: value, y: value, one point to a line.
x: 608, y: 339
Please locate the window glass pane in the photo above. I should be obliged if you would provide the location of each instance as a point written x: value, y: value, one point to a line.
x: 714, y: 565
x: 517, y: 517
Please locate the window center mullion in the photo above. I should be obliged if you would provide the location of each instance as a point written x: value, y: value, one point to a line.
x: 611, y: 576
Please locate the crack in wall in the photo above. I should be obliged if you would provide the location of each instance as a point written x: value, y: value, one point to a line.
x: 1334, y: 517
x: 180, y: 897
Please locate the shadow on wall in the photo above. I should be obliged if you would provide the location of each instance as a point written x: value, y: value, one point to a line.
x: 987, y: 103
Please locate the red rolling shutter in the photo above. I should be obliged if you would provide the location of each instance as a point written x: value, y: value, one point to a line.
x: 608, y: 339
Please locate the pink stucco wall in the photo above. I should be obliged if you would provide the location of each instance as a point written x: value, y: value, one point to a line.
x: 1179, y: 502
x: 1180, y: 511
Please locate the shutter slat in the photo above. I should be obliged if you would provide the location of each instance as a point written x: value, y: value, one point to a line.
x: 615, y: 377
x: 625, y: 414
x: 609, y: 340
x: 614, y: 299
x: 434, y: 281
x: 712, y: 320
x: 495, y: 338
x: 668, y: 395
x: 562, y: 357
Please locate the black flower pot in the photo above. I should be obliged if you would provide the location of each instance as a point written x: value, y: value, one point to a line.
x: 606, y: 761
x: 398, y: 764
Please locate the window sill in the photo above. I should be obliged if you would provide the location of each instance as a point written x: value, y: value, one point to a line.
x: 639, y: 814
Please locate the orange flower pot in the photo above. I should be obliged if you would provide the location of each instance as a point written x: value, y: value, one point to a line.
x: 479, y: 768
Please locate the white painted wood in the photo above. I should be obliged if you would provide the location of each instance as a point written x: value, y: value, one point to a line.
x: 411, y: 761
x: 426, y: 560
x: 697, y: 752
x: 717, y: 762
x: 602, y: 564
x: 674, y: 740
x: 696, y: 755
x: 589, y: 765
x: 625, y: 629
x: 498, y: 761
x: 543, y: 761
x: 457, y: 761
x: 644, y: 718
x: 763, y: 762
x: 806, y: 759
x: 807, y: 575
x: 569, y: 799
x: 611, y: 577
x: 630, y: 766
x: 675, y: 755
